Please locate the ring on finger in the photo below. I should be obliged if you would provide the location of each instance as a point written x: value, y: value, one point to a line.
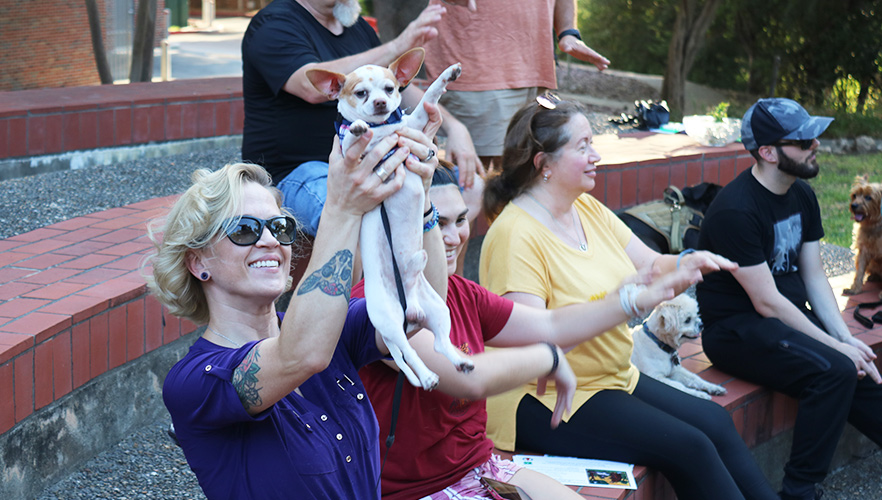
x: 381, y: 173
x: 430, y: 155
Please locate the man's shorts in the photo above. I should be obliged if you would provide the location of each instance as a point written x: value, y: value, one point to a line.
x: 470, y: 487
x: 486, y: 114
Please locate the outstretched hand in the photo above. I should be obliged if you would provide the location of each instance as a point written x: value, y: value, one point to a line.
x: 707, y: 262
x: 862, y: 356
x: 666, y: 287
x: 577, y: 48
x: 420, y: 30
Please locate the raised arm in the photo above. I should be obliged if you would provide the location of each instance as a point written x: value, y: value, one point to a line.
x: 318, y: 309
x: 417, y: 33
x: 565, y: 20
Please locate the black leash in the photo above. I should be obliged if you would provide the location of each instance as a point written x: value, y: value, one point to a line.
x: 868, y: 322
x: 399, y: 384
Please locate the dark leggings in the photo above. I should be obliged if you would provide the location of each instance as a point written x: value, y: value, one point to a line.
x: 692, y: 441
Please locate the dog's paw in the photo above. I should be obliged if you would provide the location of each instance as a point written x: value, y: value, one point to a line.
x: 716, y: 390
x: 429, y: 382
x: 358, y: 128
x: 854, y: 290
x: 452, y: 73
x: 465, y: 366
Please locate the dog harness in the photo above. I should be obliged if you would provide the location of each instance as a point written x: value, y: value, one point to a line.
x: 675, y: 357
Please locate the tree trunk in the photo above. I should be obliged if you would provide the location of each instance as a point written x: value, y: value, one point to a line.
x: 97, y: 43
x: 394, y: 15
x: 693, y: 20
x: 142, y: 45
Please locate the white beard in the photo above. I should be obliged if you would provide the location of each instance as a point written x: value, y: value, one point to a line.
x: 347, y: 12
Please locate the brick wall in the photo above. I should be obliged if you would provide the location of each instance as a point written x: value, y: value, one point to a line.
x: 48, y: 121
x: 46, y: 43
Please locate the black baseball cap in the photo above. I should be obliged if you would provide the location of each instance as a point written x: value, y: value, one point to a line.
x: 777, y: 118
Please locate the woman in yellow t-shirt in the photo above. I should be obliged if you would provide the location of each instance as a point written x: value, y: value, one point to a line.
x: 551, y: 245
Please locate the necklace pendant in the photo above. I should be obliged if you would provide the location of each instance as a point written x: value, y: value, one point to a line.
x: 583, y: 247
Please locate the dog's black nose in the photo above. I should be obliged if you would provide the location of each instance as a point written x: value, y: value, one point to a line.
x: 854, y: 206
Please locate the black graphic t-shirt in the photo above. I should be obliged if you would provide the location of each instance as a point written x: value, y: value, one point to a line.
x: 749, y: 224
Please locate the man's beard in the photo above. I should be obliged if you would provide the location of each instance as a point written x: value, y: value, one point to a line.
x: 804, y: 170
x: 347, y: 12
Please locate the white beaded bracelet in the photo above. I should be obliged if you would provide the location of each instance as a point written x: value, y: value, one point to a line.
x: 628, y: 299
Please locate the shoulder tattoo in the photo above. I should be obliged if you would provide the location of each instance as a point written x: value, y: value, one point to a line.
x: 334, y: 278
x: 245, y: 379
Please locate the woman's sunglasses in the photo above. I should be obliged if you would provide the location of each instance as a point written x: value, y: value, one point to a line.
x: 548, y: 100
x: 246, y: 230
x: 804, y: 144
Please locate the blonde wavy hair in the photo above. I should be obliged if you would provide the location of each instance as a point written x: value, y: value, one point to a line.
x: 197, y: 221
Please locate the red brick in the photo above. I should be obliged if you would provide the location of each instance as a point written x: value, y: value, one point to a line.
x: 134, y: 329
x: 84, y: 234
x: 613, y: 183
x: 72, y: 224
x: 79, y: 307
x: 645, y: 190
x: 88, y: 129
x: 222, y: 118
x: 693, y: 173
x: 43, y: 246
x: 42, y: 375
x: 44, y: 261
x: 205, y: 124
x: 711, y: 171
x: 7, y: 258
x: 189, y: 120
x: 88, y: 261
x: 7, y: 395
x: 54, y: 140
x: 759, y: 425
x: 727, y: 170
x: 116, y: 330
x: 49, y: 276
x: 96, y: 276
x: 8, y: 274
x: 4, y: 153
x: 238, y: 112
x: 173, y: 122
x: 41, y: 324
x: 41, y: 234
x: 20, y: 306
x: 678, y: 174
x: 56, y: 291
x: 61, y: 363
x: 106, y: 130
x: 123, y: 128
x: 36, y: 135
x: 171, y: 331
x: 79, y: 340
x: 23, y: 367
x: 123, y: 235
x: 15, y: 289
x: 153, y: 323
x: 117, y: 291
x: 13, y: 344
x: 98, y: 345
x: 17, y: 137
x: 629, y: 188
x: 661, y: 179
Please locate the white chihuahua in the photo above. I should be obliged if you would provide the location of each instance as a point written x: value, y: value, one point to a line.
x: 369, y: 98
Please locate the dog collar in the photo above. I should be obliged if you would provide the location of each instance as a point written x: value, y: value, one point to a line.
x: 675, y: 358
x: 342, y: 124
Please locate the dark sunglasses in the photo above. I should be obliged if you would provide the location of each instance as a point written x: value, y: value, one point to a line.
x: 246, y: 230
x: 804, y: 144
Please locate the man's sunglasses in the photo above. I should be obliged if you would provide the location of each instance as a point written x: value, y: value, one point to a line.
x: 246, y: 230
x: 804, y: 144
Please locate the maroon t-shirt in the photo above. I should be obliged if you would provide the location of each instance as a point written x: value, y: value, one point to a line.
x: 438, y: 438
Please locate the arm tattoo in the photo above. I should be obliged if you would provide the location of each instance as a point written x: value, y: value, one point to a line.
x: 245, y: 379
x: 334, y: 278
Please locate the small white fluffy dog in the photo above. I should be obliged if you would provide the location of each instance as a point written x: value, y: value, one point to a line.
x: 656, y: 343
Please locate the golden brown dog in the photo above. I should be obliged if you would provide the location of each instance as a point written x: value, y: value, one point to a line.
x: 865, y: 198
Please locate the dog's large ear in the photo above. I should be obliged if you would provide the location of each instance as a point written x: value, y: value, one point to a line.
x: 327, y: 82
x: 408, y: 65
x: 862, y: 180
x: 667, y: 318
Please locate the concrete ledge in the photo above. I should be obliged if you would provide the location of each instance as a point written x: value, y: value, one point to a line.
x: 62, y: 436
x: 32, y: 165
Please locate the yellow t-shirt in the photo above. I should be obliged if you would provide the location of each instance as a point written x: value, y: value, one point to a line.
x: 520, y: 254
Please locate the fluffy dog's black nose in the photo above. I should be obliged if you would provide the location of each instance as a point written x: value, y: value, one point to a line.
x: 854, y: 206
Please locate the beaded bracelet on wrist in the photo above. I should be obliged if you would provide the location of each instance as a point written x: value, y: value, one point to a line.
x: 428, y: 226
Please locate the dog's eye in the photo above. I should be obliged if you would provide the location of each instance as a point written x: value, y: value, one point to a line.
x: 868, y: 198
x: 390, y: 89
x: 688, y: 320
x: 361, y: 94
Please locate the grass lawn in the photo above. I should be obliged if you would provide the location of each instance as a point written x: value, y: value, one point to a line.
x: 833, y: 185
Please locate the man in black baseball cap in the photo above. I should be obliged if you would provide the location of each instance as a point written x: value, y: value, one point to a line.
x: 757, y: 323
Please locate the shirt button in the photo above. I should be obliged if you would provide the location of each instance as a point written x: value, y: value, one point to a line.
x: 348, y: 458
x: 324, y: 418
x: 339, y: 437
x: 208, y: 368
x: 360, y: 396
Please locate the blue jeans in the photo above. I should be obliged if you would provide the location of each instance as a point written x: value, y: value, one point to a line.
x: 304, y: 192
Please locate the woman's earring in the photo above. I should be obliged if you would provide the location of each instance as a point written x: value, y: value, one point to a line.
x: 204, y: 276
x: 545, y: 177
x: 289, y: 284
